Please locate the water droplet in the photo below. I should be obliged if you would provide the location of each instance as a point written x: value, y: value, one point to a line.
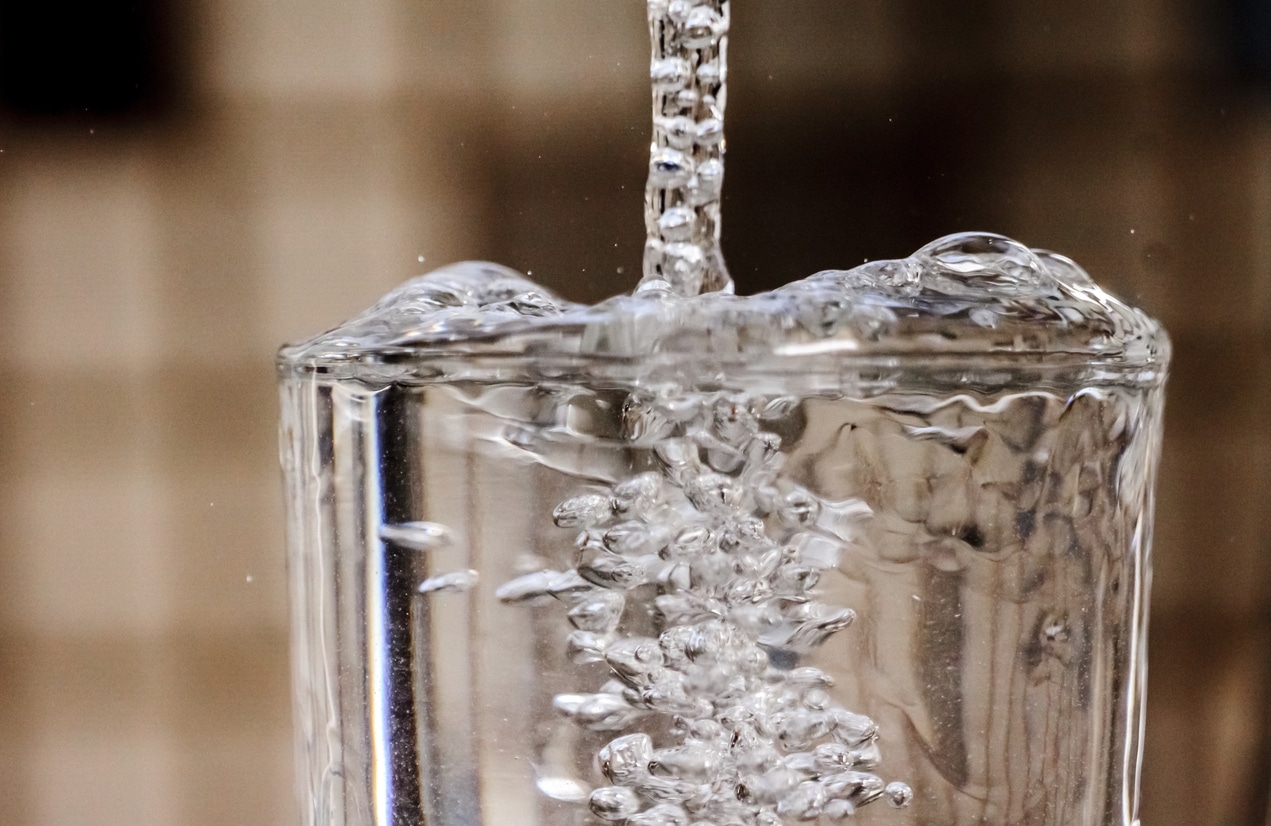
x: 454, y: 583
x: 417, y: 536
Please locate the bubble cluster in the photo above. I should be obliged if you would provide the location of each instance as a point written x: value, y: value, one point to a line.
x: 714, y: 720
x: 688, y: 72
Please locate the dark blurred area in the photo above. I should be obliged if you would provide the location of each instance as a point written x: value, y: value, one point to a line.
x: 184, y: 187
x: 88, y: 59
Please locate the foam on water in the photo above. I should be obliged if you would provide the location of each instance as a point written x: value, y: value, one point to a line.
x: 971, y: 295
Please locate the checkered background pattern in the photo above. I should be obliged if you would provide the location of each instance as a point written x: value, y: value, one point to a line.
x: 148, y: 274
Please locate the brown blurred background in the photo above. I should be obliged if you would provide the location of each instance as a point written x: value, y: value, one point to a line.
x: 184, y: 186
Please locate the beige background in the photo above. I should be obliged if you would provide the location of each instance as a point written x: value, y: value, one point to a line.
x: 148, y: 272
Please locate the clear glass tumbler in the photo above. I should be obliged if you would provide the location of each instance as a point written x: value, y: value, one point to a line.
x: 881, y: 535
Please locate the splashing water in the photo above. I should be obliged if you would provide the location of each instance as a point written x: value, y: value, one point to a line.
x: 575, y: 565
x: 689, y: 74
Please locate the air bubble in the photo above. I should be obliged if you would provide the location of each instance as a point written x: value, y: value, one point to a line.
x: 677, y: 224
x: 678, y: 11
x: 541, y: 584
x: 798, y: 729
x: 804, y: 803
x: 631, y: 538
x: 690, y: 542
x: 683, y: 262
x: 613, y: 803
x: 710, y: 132
x: 453, y: 583
x: 714, y: 493
x: 816, y: 629
x: 664, y: 814
x: 635, y: 660
x: 710, y: 75
x: 692, y: 761
x: 670, y: 168
x: 582, y: 511
x: 417, y: 536
x: 680, y: 132
x: 563, y: 788
x: 710, y: 182
x: 613, y: 572
x: 644, y: 421
x: 598, y: 712
x: 670, y: 74
x: 702, y: 27
x: 799, y: 509
x: 626, y: 759
x: 838, y: 809
x: 582, y: 647
x: 853, y: 730
x: 598, y: 611
x: 858, y: 787
x: 899, y: 795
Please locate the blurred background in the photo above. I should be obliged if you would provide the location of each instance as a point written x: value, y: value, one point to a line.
x: 185, y: 186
